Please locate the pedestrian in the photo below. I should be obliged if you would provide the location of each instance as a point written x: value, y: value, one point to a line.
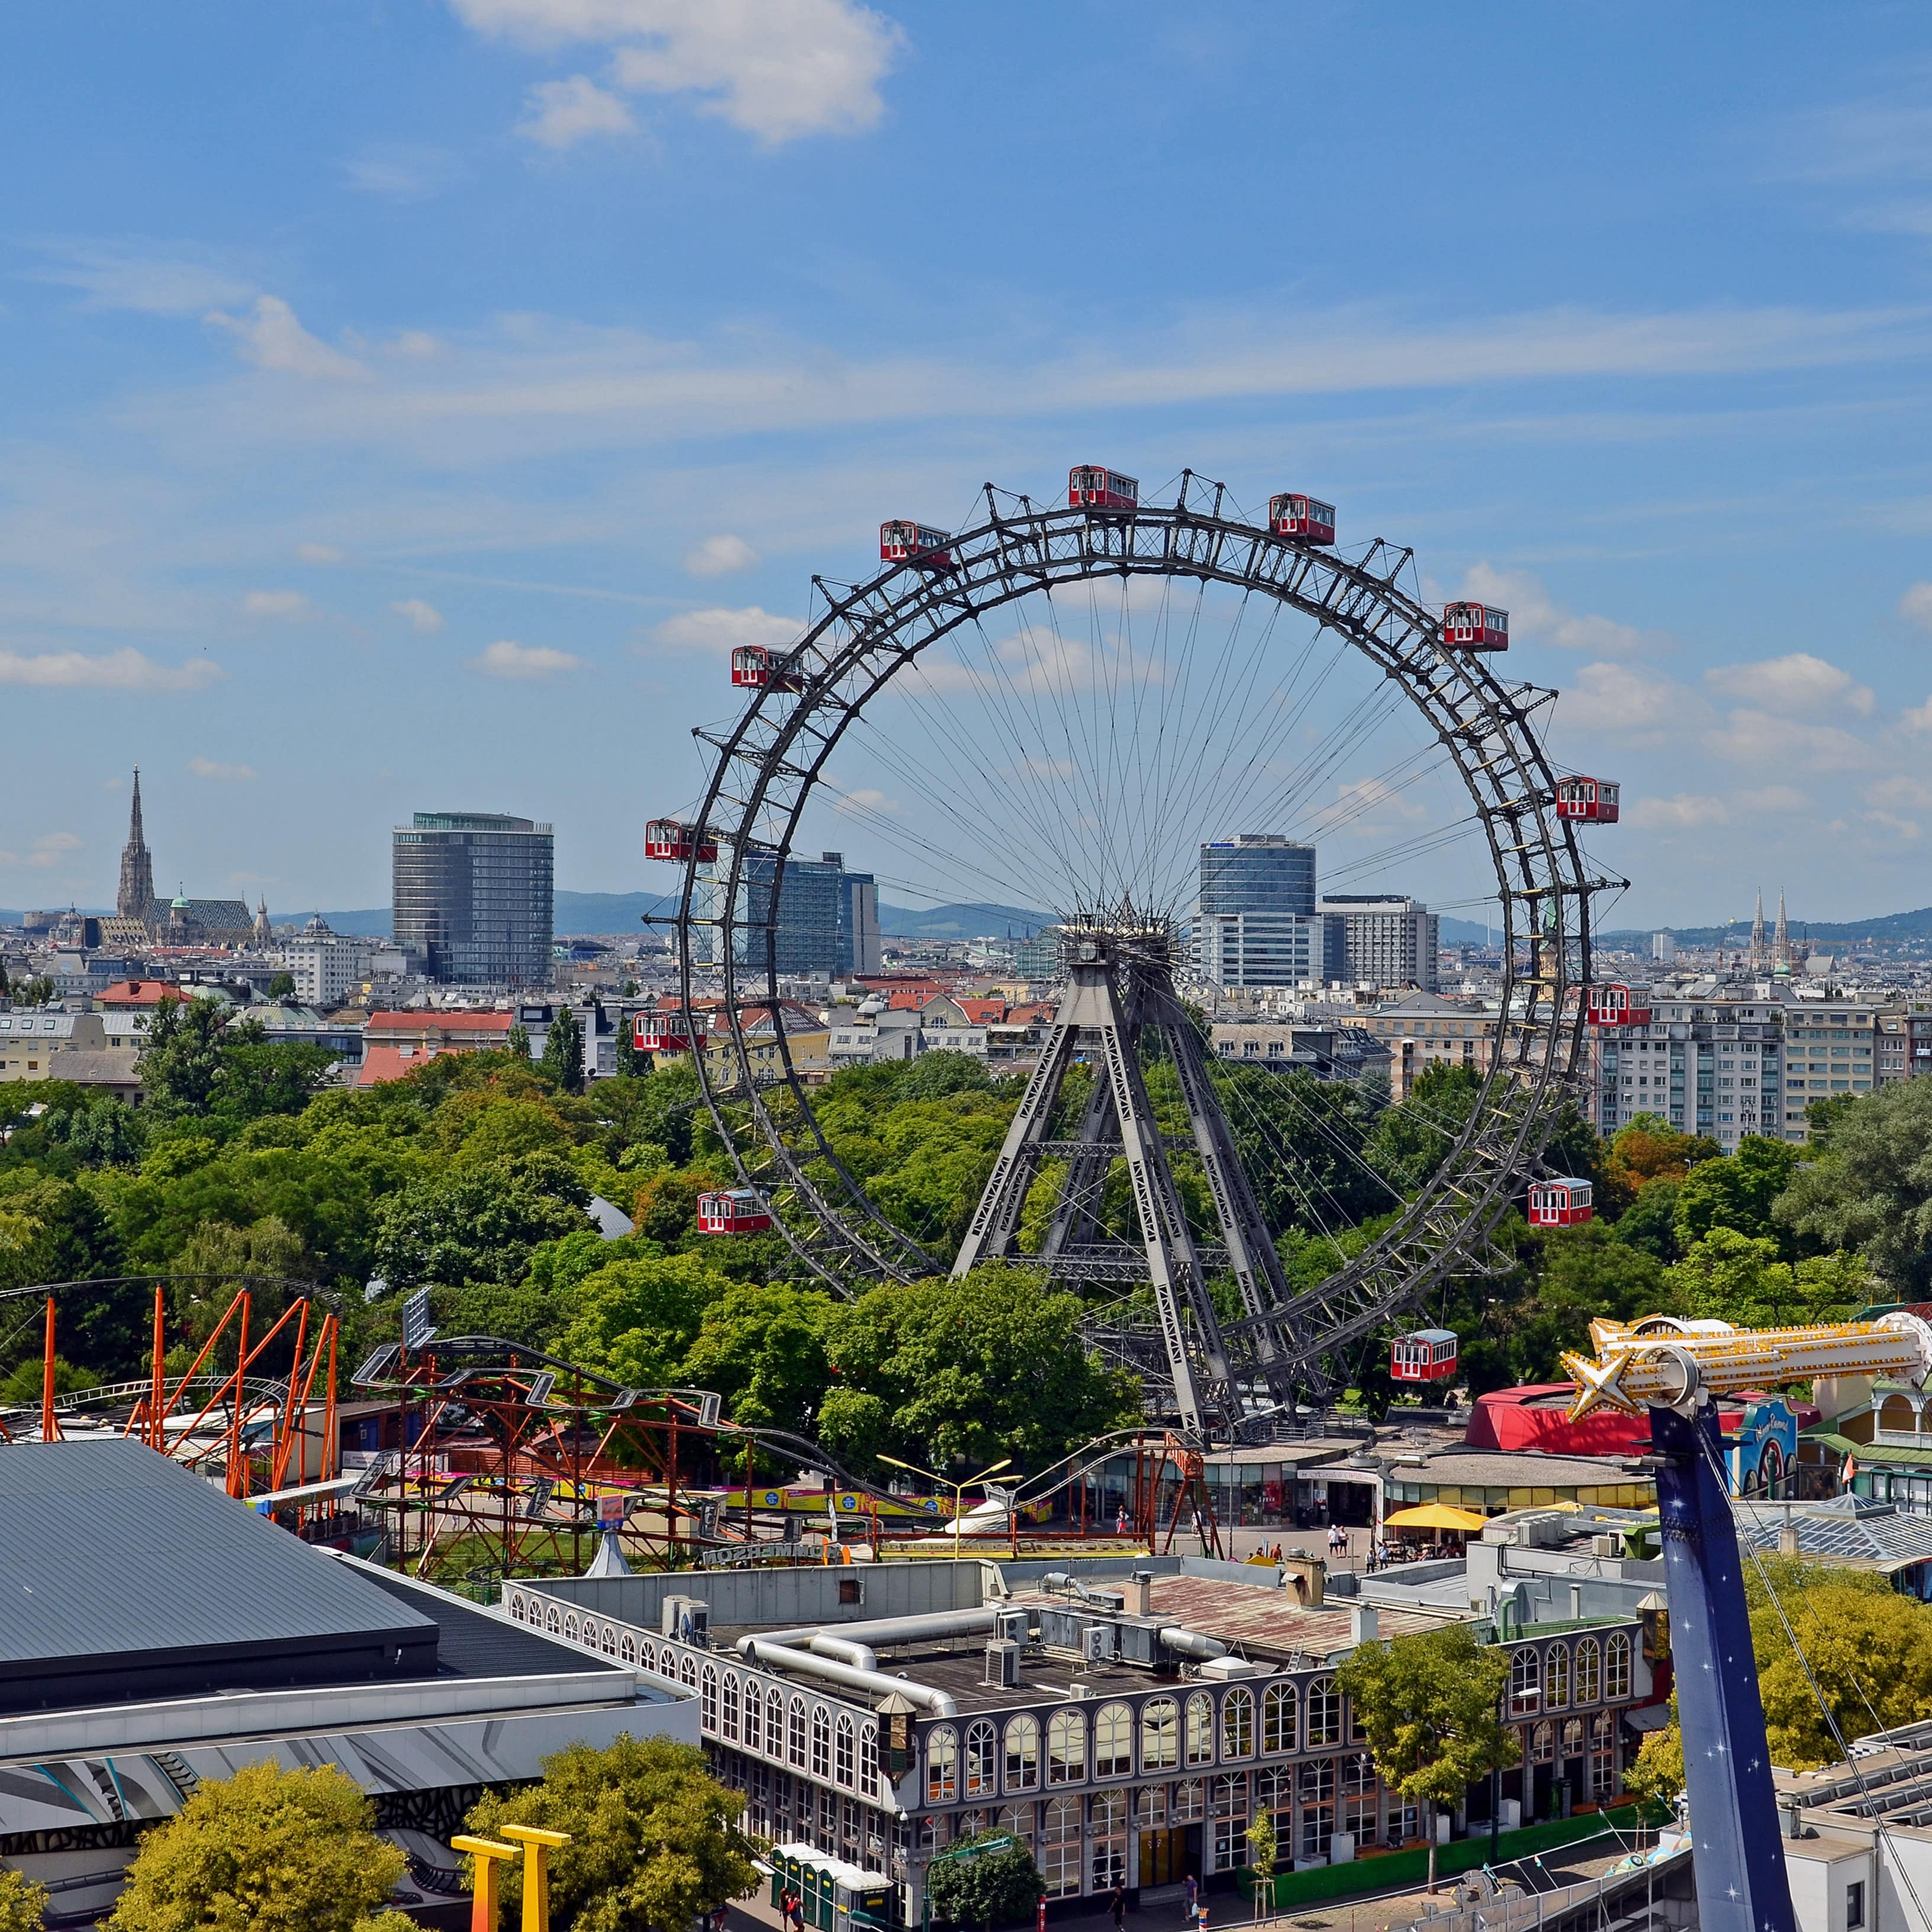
x: 1117, y: 1904
x: 1193, y: 1898
x: 1276, y: 1552
x: 1120, y: 1521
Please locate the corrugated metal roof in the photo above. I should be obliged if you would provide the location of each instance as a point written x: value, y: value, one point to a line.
x: 107, y: 1549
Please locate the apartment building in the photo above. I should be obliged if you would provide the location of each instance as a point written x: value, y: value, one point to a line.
x: 1425, y: 1030
x: 1380, y: 940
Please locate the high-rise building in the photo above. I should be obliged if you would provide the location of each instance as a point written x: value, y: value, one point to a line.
x: 1255, y: 924
x: 1380, y: 939
x: 473, y: 894
x: 136, y: 893
x: 1663, y: 948
x: 827, y: 919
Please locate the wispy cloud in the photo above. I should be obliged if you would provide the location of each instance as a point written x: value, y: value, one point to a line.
x: 724, y: 630
x: 424, y: 617
x: 1916, y: 606
x: 1798, y: 686
x: 320, y: 554
x: 213, y: 768
x: 126, y: 670
x: 720, y: 557
x: 777, y: 69
x: 283, y: 604
x: 147, y: 278
x: 271, y: 337
x: 560, y: 113
x: 47, y: 850
x: 1534, y: 615
x: 1753, y: 737
x: 509, y: 658
x: 402, y: 171
x: 1682, y: 812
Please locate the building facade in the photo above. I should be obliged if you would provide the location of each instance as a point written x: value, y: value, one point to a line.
x: 326, y: 965
x: 1381, y: 940
x: 1425, y: 1030
x: 1255, y: 922
x: 473, y: 895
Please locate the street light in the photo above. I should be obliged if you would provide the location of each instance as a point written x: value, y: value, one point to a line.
x: 959, y: 1489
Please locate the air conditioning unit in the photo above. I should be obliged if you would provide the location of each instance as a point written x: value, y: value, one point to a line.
x: 687, y: 1618
x: 1097, y: 1644
x: 1011, y: 1626
x: 1003, y: 1665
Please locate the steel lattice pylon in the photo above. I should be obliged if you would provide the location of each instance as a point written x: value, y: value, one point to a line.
x: 768, y: 762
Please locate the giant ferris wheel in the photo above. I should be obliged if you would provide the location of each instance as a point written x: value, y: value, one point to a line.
x: 1054, y: 709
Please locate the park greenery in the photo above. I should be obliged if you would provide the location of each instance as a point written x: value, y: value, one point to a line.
x: 655, y: 1841
x: 266, y: 1850
x: 998, y: 1886
x: 473, y: 1178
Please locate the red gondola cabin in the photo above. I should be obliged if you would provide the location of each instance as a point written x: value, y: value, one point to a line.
x: 758, y: 667
x: 1562, y: 1202
x: 734, y: 1210
x: 1615, y: 1005
x: 1302, y: 517
x: 1592, y: 799
x: 1091, y: 486
x: 915, y: 543
x: 1475, y: 627
x: 1428, y: 1355
x: 661, y: 1033
x: 671, y: 838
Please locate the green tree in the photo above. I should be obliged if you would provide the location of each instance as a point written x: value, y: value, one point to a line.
x: 635, y: 1320
x: 1657, y: 1777
x: 655, y: 1841
x: 23, y: 1905
x: 1650, y: 1221
x: 181, y: 1058
x: 266, y: 1850
x: 518, y: 1041
x: 34, y: 993
x: 1262, y: 1850
x: 1871, y: 1188
x: 632, y: 1065
x: 1737, y: 1191
x: 1429, y: 1706
x: 1870, y: 1651
x: 984, y: 1888
x: 563, y: 1051
x: 478, y: 1223
x: 282, y: 986
x: 763, y: 1347
x: 1738, y: 1279
x: 968, y: 1371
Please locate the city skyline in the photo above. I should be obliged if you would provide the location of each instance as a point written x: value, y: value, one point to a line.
x: 384, y: 417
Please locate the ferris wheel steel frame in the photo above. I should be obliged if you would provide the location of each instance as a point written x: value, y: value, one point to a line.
x: 769, y: 763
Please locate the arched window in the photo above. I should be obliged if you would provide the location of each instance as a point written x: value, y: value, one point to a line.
x: 846, y: 1765
x: 610, y: 1639
x: 1066, y: 1748
x: 517, y: 1609
x: 627, y: 1651
x: 1059, y: 1854
x: 1280, y: 1729
x: 795, y: 1739
x: 1022, y: 1754
x: 707, y: 1711
x: 1113, y: 1741
x: 1160, y: 1734
x: 1617, y: 1668
x: 1237, y: 1724
x: 554, y: 1623
x: 980, y: 1739
x: 1603, y: 1754
x: 869, y: 1760
x: 570, y: 1627
x: 1542, y: 1744
x: 942, y: 1765
x: 1324, y: 1715
x: 1589, y: 1677
x: 1018, y: 1819
x: 774, y: 1726
x: 647, y: 1658
x: 1201, y: 1728
x: 731, y: 1724
x: 754, y: 1705
x: 1525, y: 1683
x: 821, y: 1741
x: 1573, y: 1739
x: 1556, y: 1677
x: 687, y: 1670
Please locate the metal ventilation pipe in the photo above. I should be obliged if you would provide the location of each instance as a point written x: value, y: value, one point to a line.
x: 1193, y: 1643
x: 762, y: 1650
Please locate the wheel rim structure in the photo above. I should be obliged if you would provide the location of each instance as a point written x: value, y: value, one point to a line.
x: 767, y: 764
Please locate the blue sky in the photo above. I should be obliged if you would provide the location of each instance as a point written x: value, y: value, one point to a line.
x: 405, y: 401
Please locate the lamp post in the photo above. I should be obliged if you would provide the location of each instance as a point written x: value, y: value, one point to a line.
x: 959, y: 1489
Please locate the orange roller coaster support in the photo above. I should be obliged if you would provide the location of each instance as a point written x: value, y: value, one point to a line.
x: 49, y: 1427
x: 157, y: 1435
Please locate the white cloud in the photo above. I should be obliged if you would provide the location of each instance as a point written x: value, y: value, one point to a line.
x: 424, y: 617
x: 507, y: 658
x: 1916, y: 606
x: 213, y: 768
x: 778, y: 69
x: 720, y: 556
x: 1782, y: 801
x: 724, y: 630
x: 1917, y: 718
x: 1534, y: 617
x: 1364, y: 796
x: 124, y: 670
x: 145, y: 280
x: 283, y: 604
x: 560, y: 113
x: 320, y: 554
x: 1619, y: 699
x: 1798, y: 686
x: 272, y: 338
x: 403, y: 173
x: 51, y: 848
x: 865, y: 799
x: 1684, y: 812
x: 1750, y: 737
x: 1902, y: 789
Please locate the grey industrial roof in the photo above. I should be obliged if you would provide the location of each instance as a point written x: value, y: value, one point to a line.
x: 474, y: 1643
x: 1849, y: 1528
x: 113, y: 1560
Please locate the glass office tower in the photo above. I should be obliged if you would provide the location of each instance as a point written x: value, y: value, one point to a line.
x: 1255, y: 924
x: 473, y: 893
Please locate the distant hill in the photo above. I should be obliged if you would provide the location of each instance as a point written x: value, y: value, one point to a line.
x: 959, y: 922
x: 1465, y: 931
x: 574, y: 913
x: 1890, y: 926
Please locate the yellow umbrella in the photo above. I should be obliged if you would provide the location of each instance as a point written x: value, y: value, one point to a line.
x: 1434, y: 1516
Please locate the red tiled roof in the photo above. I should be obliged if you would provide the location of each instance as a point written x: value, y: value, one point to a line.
x: 981, y: 1011
x: 429, y: 1022
x: 140, y: 993
x: 381, y: 1063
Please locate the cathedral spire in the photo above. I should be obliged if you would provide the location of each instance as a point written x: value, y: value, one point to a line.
x: 1780, y: 952
x: 1760, y: 956
x: 137, y: 890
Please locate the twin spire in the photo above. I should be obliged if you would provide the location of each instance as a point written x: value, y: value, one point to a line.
x: 1775, y: 956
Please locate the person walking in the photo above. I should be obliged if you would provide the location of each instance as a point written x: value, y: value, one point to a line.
x: 1117, y: 1904
x: 1193, y: 1899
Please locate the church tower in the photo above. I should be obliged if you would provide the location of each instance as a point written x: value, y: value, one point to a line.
x: 1760, y: 953
x: 1780, y: 949
x: 136, y: 891
x: 264, y: 934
